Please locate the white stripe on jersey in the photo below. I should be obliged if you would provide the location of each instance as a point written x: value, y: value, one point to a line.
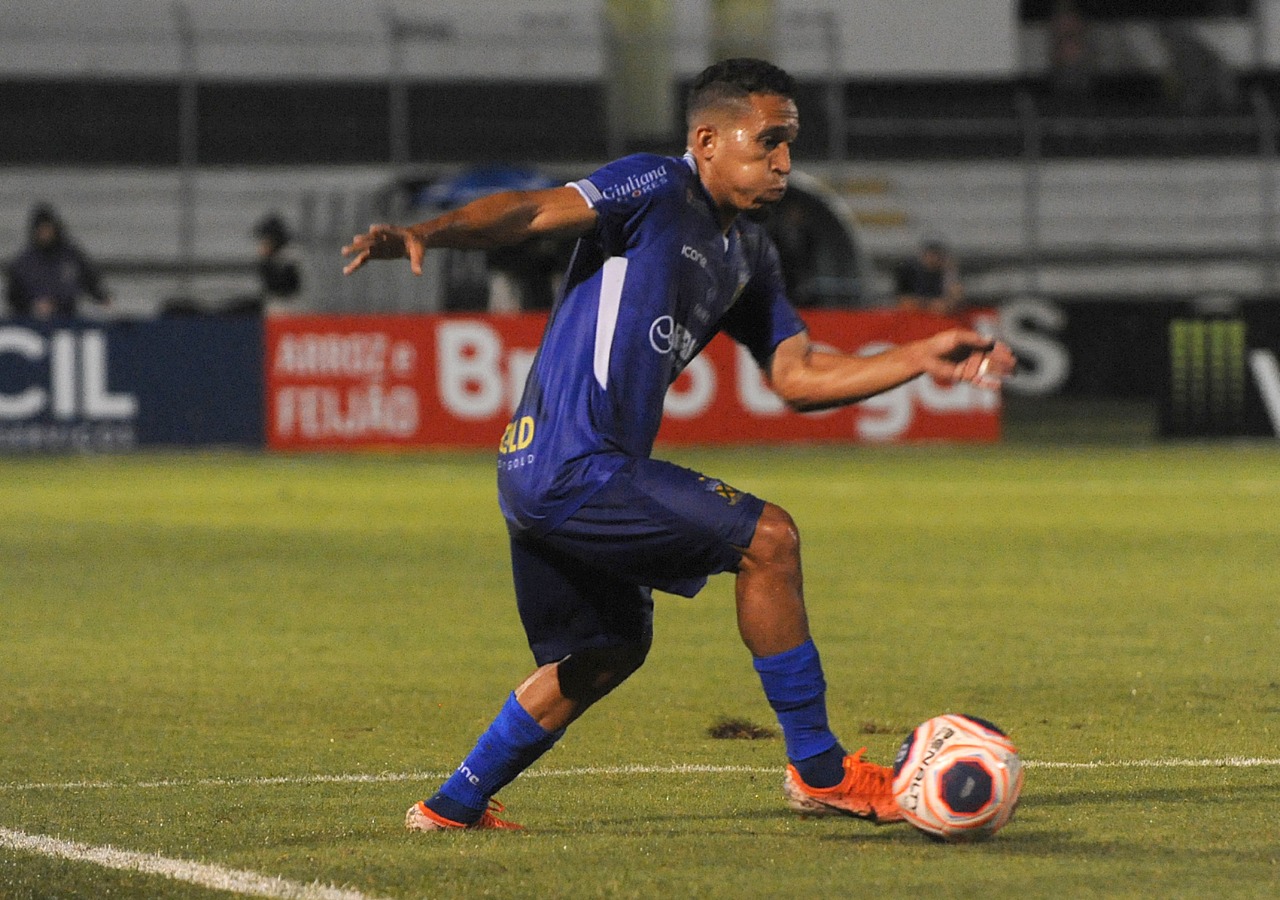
x: 612, y: 276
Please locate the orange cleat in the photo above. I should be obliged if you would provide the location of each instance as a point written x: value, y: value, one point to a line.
x: 865, y: 793
x: 420, y: 817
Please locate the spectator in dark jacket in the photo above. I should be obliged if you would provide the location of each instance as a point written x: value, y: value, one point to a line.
x: 930, y: 281
x: 279, y: 272
x: 278, y: 268
x: 50, y: 277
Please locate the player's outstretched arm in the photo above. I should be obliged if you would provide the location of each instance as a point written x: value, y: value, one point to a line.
x: 499, y: 220
x: 809, y: 378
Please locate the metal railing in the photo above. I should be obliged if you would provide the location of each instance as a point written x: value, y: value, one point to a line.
x: 1032, y: 139
x: 1038, y: 141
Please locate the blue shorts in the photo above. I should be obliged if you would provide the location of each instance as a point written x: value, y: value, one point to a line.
x: 587, y: 583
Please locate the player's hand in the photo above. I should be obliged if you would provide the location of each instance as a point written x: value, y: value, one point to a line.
x: 963, y: 355
x: 384, y: 242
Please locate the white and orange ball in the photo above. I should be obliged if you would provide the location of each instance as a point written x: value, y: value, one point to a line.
x: 957, y: 778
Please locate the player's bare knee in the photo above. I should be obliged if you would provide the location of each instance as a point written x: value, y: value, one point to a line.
x: 776, y: 542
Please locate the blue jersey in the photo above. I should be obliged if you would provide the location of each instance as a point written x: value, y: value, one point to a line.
x: 646, y: 290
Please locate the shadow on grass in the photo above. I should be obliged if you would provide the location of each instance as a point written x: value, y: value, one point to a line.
x: 752, y: 824
x: 1062, y: 844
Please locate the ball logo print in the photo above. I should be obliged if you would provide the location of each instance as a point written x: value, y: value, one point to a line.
x: 957, y: 778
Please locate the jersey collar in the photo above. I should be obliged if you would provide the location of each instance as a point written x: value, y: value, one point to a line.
x: 702, y: 188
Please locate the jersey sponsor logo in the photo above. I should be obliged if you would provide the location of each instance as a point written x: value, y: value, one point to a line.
x: 694, y: 254
x: 515, y: 441
x: 661, y: 333
x: 518, y: 436
x: 666, y: 335
x: 637, y: 185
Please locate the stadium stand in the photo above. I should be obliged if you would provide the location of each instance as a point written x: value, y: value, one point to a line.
x: 132, y: 221
x: 301, y: 117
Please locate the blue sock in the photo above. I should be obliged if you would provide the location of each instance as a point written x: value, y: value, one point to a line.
x: 512, y: 743
x: 796, y: 690
x: 824, y: 770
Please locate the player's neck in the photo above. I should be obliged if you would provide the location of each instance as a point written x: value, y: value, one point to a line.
x: 725, y: 211
x: 726, y: 217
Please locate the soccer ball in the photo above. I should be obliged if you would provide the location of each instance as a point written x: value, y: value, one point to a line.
x: 957, y: 778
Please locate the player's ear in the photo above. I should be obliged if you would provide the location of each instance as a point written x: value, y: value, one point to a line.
x: 704, y: 140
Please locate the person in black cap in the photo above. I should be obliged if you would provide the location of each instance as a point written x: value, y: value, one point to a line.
x: 49, y: 278
x: 279, y: 272
x: 278, y: 269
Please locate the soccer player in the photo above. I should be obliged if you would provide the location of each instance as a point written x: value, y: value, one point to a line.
x: 669, y: 253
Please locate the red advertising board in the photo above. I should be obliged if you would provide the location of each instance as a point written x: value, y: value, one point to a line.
x: 452, y: 381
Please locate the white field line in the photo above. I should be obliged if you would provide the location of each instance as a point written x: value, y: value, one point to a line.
x: 254, y: 884
x: 218, y: 878
x: 1226, y: 762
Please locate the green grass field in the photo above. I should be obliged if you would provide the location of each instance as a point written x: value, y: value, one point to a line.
x: 257, y: 663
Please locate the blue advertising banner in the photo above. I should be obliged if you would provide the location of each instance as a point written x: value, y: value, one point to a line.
x: 114, y: 386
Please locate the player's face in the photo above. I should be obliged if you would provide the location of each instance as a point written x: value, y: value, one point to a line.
x: 746, y: 154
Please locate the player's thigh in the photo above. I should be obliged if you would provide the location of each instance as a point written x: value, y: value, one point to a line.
x: 567, y: 606
x: 661, y: 525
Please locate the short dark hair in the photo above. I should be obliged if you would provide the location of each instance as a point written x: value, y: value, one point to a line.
x: 734, y: 80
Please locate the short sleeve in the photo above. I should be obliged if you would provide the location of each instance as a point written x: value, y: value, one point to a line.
x: 625, y: 187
